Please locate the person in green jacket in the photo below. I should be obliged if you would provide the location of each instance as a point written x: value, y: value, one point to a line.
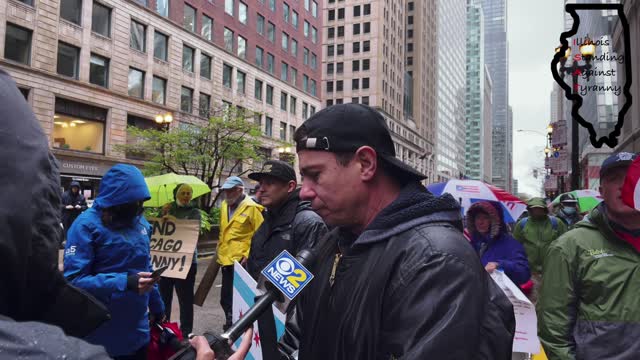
x: 181, y: 208
x: 589, y: 305
x: 536, y: 232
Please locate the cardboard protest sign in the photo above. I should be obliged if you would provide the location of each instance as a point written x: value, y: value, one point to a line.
x: 526, y: 338
x: 173, y: 242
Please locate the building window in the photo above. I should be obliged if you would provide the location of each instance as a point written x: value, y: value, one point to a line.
x: 314, y: 9
x: 160, y: 46
x: 410, y: 47
x: 330, y: 50
x: 365, y: 100
x: 243, y: 13
x: 285, y: 41
x: 283, y: 131
x: 340, y: 67
x: 339, y: 85
x: 189, y: 19
x: 366, y: 9
x: 78, y: 127
x: 227, y: 71
x: 329, y: 102
x: 314, y: 35
x: 356, y: 29
x: 294, y: 76
x: 340, y: 49
x: 272, y: 5
x: 355, y: 84
x: 71, y: 10
x: 99, y: 70
x: 137, y: 40
x: 331, y: 33
x: 294, y: 19
x: 268, y: 127
x: 410, y: 20
x: 305, y: 57
x: 366, y: 46
x: 205, y: 66
x: 331, y: 16
x: 306, y: 28
x: 329, y: 86
x: 159, y: 90
x: 101, y: 20
x: 330, y: 69
x: 340, y: 31
x: 259, y: 56
x: 269, y: 94
x: 285, y: 12
x: 365, y: 83
x: 228, y: 7
x: 271, y: 32
x: 410, y: 6
x: 284, y: 71
x: 260, y: 24
x: 354, y: 100
x: 305, y: 110
x: 204, y: 104
x: 187, y: 58
x: 409, y: 60
x: 305, y: 83
x: 228, y: 39
x: 271, y: 64
x: 162, y: 7
x: 410, y: 33
x: 257, y: 91
x: 314, y: 89
x: 241, y: 80
x: 68, y: 60
x: 356, y: 47
x: 136, y: 83
x: 356, y: 11
x: 307, y: 4
x: 365, y: 64
x: 292, y: 131
x: 283, y: 101
x: 207, y: 27
x: 312, y: 110
x: 17, y: 45
x: 341, y: 14
x: 314, y: 61
x: 338, y: 101
x: 294, y: 47
x: 186, y: 100
x: 293, y: 104
x: 257, y: 120
x: 242, y: 47
x: 366, y: 27
x: 355, y: 65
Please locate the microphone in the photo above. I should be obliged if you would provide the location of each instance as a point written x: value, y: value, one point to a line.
x: 221, y: 343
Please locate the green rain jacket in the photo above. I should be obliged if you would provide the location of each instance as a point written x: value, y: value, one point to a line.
x: 536, y: 235
x: 589, y: 307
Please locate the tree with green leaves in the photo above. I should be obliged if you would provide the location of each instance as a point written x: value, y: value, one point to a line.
x: 226, y: 144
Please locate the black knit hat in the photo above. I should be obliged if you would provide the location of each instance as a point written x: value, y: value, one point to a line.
x: 276, y: 168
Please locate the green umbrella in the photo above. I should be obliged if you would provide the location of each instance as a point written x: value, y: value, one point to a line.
x: 161, y: 188
x: 587, y: 199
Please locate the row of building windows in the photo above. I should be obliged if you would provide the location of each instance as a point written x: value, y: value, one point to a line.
x: 363, y: 100
x: 355, y: 66
x: 355, y: 85
x: 338, y: 49
x: 331, y: 32
x: 331, y: 14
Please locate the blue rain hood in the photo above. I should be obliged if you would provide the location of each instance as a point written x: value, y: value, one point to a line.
x: 120, y: 185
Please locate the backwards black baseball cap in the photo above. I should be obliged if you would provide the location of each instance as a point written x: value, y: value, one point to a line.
x: 346, y: 128
x: 276, y: 168
x: 616, y: 160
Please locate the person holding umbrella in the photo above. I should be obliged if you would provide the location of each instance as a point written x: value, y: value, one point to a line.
x: 181, y: 208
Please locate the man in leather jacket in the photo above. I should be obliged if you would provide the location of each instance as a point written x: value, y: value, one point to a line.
x: 400, y: 280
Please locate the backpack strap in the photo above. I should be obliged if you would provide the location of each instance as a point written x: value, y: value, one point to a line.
x: 523, y: 222
x: 554, y: 223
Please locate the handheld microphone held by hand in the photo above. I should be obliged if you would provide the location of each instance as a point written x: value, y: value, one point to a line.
x: 286, y: 277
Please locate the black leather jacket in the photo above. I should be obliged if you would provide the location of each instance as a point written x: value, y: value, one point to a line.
x: 404, y: 289
x: 293, y: 226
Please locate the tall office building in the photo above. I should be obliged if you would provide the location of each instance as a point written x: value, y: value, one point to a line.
x: 364, y: 62
x: 496, y: 59
x: 90, y: 69
x: 478, y: 97
x: 451, y: 53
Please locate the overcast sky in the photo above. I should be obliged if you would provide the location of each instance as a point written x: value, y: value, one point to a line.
x: 534, y: 29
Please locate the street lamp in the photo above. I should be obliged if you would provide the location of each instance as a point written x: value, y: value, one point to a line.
x: 587, y: 50
x: 285, y: 154
x: 164, y: 120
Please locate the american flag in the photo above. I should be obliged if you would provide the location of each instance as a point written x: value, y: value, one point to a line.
x: 468, y: 189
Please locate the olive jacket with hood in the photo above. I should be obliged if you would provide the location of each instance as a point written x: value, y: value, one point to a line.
x: 589, y: 306
x: 99, y: 258
x: 409, y: 287
x: 32, y: 290
x: 536, y: 235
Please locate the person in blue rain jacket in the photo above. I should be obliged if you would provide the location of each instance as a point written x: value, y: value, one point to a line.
x: 493, y: 243
x: 108, y: 254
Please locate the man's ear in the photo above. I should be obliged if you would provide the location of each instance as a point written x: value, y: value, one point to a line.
x: 368, y: 161
x: 291, y: 186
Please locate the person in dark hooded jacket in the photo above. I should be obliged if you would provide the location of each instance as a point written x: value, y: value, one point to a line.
x: 73, y: 204
x: 181, y: 208
x: 108, y: 254
x: 497, y: 249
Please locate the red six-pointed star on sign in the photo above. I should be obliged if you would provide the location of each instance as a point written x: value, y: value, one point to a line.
x: 256, y: 338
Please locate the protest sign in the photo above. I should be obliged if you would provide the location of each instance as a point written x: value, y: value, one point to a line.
x: 526, y: 337
x: 173, y: 242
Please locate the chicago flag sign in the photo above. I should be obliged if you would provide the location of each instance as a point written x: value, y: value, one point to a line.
x: 631, y: 187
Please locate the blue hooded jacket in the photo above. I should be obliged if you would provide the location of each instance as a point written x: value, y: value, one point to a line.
x: 498, y: 245
x: 99, y: 258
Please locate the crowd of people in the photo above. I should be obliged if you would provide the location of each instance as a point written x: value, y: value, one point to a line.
x: 396, y: 277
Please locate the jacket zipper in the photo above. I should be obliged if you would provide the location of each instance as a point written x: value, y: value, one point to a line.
x: 336, y: 261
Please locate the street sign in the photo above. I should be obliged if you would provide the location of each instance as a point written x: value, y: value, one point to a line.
x: 556, y: 154
x: 287, y: 274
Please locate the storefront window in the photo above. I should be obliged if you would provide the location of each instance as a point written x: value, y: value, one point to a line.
x: 78, y: 127
x: 140, y: 123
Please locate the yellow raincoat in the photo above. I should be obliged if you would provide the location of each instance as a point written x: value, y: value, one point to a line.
x: 236, y: 233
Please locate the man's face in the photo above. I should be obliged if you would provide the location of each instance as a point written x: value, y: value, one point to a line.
x: 537, y: 212
x: 334, y: 191
x: 611, y: 190
x: 273, y: 192
x: 75, y: 189
x: 232, y: 195
x: 183, y: 196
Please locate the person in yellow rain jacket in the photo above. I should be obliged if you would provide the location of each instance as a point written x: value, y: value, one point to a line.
x: 240, y: 217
